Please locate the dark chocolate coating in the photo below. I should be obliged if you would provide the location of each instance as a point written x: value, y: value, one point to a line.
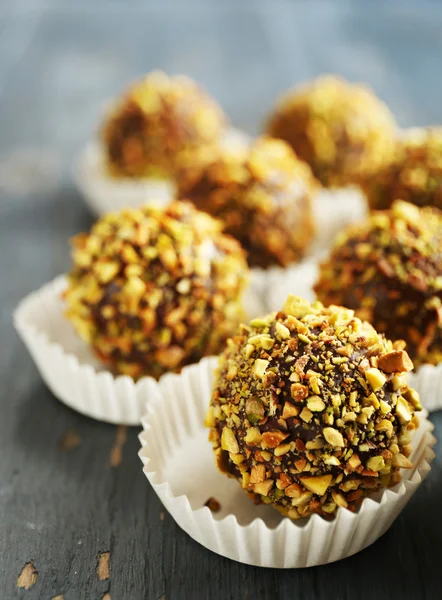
x: 153, y: 290
x: 389, y: 270
x: 310, y: 410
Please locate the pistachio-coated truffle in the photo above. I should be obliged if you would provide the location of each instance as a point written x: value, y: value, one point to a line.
x: 153, y: 290
x: 341, y: 129
x: 261, y: 193
x: 157, y: 120
x: 415, y: 174
x: 311, y: 410
x: 389, y: 270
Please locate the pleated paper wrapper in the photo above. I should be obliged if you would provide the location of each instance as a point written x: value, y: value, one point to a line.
x: 69, y: 367
x: 179, y: 463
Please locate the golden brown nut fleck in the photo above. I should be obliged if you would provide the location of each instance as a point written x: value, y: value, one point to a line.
x: 309, y: 453
x: 262, y: 194
x: 213, y: 504
x: 389, y: 270
x: 157, y: 121
x: 149, y: 322
x: 342, y: 130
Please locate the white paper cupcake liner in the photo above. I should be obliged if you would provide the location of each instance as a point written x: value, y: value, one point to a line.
x: 278, y: 283
x: 104, y: 194
x: 69, y: 367
x: 179, y: 463
x: 427, y: 380
x: 334, y: 210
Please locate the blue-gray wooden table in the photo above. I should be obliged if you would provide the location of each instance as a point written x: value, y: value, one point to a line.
x: 62, y: 503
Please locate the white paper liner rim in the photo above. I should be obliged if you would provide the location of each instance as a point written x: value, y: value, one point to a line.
x: 105, y: 194
x: 427, y: 380
x: 289, y: 544
x: 68, y: 366
x: 80, y: 385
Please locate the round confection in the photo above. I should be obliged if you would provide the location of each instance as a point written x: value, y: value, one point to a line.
x: 153, y: 290
x: 342, y: 130
x: 156, y: 120
x: 415, y: 174
x: 389, y: 269
x: 262, y: 194
x: 311, y: 410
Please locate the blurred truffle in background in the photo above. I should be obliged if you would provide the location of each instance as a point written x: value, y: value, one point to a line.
x: 415, y: 174
x: 341, y: 129
x: 154, y: 121
x: 389, y: 270
x: 262, y: 193
x: 153, y: 290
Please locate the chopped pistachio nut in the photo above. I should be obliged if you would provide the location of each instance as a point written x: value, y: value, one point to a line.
x: 315, y: 404
x: 254, y: 410
x: 228, y: 441
x: 375, y: 463
x: 253, y: 436
x: 306, y: 452
x: 306, y: 415
x: 333, y: 437
x: 259, y: 367
x: 317, y: 485
x: 403, y: 410
x: 282, y: 331
x: 375, y: 378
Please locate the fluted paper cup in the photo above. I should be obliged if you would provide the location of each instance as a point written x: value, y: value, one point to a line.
x: 69, y: 367
x: 278, y: 283
x: 104, y: 194
x: 179, y: 463
x: 427, y: 380
x: 335, y: 209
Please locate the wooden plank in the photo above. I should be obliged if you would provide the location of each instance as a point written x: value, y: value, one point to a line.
x: 63, y: 503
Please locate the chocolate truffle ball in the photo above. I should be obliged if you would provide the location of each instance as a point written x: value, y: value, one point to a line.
x: 342, y: 130
x: 311, y: 410
x: 155, y: 121
x: 389, y: 270
x: 415, y: 174
x: 153, y: 290
x: 262, y: 194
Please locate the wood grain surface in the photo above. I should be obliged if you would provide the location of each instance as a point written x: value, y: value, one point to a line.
x: 78, y: 520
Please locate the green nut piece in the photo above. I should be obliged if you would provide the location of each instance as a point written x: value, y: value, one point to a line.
x: 375, y: 463
x: 254, y: 410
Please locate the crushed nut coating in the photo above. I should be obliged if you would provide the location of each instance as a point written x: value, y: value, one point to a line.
x: 389, y: 270
x: 342, y: 130
x: 415, y: 174
x: 261, y: 193
x: 311, y: 410
x: 156, y: 121
x: 155, y: 289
